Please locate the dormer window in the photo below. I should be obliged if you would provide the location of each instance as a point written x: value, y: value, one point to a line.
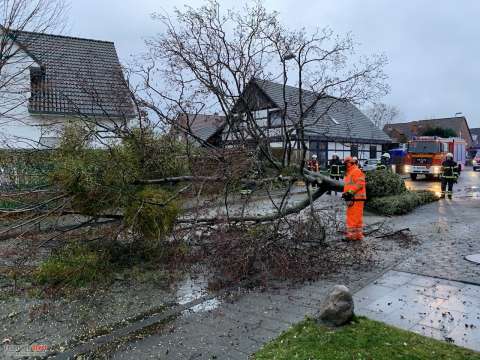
x: 333, y: 119
x: 37, y: 78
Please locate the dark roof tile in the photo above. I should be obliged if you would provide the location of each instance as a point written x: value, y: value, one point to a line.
x: 329, y: 118
x: 81, y: 76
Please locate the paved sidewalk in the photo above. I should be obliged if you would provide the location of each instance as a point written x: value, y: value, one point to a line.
x: 442, y: 309
x: 448, y: 237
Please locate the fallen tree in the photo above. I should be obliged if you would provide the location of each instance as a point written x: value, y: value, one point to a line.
x: 204, y: 61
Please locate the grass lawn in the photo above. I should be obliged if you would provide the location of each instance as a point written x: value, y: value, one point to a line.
x: 362, y: 339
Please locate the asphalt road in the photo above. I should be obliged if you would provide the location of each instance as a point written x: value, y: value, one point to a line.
x: 468, y: 185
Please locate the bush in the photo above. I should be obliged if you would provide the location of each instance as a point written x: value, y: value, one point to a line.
x: 402, y: 203
x: 384, y: 183
x: 152, y: 215
x: 75, y: 265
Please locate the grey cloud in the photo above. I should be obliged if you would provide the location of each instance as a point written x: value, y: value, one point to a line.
x: 432, y: 46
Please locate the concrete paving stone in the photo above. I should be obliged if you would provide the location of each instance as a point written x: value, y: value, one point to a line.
x: 462, y: 303
x: 471, y: 291
x: 403, y: 319
x: 385, y: 304
x: 410, y: 291
x: 440, y: 291
x: 428, y: 331
x: 466, y: 337
x: 371, y: 292
x: 394, y: 279
x: 423, y: 281
x: 403, y: 298
x: 445, y: 320
x: 449, y: 319
x: 454, y: 283
x: 418, y: 311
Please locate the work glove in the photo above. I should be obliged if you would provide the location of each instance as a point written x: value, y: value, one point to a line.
x: 347, y: 196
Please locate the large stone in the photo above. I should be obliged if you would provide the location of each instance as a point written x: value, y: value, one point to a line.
x: 337, y: 309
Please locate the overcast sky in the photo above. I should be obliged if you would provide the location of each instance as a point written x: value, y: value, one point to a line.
x: 433, y: 45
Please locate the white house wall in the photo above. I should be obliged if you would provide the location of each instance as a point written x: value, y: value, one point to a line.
x: 344, y: 149
x: 17, y: 127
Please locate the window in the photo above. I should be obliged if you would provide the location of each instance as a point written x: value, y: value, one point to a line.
x: 37, y: 78
x: 274, y: 118
x: 354, y: 150
x: 373, y: 151
x: 261, y: 117
x: 333, y: 119
x: 425, y: 147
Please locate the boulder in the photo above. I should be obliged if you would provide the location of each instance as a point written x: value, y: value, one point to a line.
x: 337, y: 309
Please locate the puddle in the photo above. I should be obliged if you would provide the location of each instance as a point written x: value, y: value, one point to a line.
x: 471, y: 192
x: 191, y: 289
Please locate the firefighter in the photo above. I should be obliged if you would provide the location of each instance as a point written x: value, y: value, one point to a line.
x: 384, y: 162
x: 355, y: 194
x: 314, y: 166
x: 449, y: 175
x: 336, y: 169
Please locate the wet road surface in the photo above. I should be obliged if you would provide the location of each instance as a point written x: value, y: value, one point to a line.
x: 468, y: 184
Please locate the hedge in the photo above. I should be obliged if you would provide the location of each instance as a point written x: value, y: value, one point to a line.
x: 387, y: 194
x: 384, y: 183
x: 401, y: 204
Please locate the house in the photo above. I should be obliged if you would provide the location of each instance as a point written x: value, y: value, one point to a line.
x: 475, y: 136
x: 403, y: 132
x: 206, y: 129
x: 48, y: 80
x: 331, y: 125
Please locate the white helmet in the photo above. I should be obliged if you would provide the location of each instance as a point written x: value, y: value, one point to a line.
x: 449, y: 155
x: 386, y: 155
x: 314, y: 156
x: 355, y: 159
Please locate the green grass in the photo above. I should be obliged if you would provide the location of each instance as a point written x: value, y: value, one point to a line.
x: 75, y: 265
x: 362, y: 339
x: 79, y: 265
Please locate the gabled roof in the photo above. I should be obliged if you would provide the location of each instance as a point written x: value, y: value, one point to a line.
x: 80, y: 76
x: 201, y: 125
x: 415, y: 128
x: 328, y: 118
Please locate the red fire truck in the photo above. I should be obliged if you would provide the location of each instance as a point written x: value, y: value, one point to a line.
x: 425, y: 155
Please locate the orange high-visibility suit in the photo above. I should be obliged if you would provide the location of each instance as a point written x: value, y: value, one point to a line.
x: 355, y: 182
